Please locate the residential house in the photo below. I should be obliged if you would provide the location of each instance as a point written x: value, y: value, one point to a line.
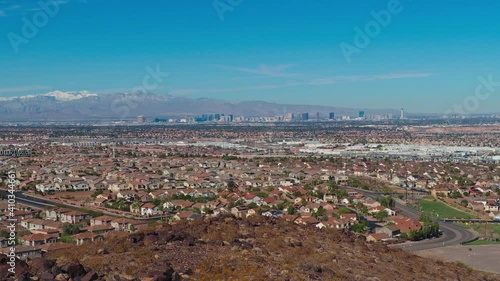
x: 272, y: 214
x: 127, y: 195
x: 406, y: 224
x: 370, y: 203
x: 55, y: 214
x: 376, y: 237
x: 377, y: 209
x: 116, y: 186
x: 80, y: 185
x: 186, y: 215
x: 390, y: 230
x: 121, y: 224
x: 31, y: 224
x: 48, y: 231
x: 45, y: 248
x: 23, y: 252
x: 333, y: 222
x: 102, y: 220
x: 476, y: 206
x: 149, y: 209
x: 239, y: 211
x: 307, y: 220
x: 37, y: 239
x: 47, y: 187
x: 100, y: 229
x: 86, y: 237
x: 492, y: 205
x: 177, y: 204
x: 74, y: 217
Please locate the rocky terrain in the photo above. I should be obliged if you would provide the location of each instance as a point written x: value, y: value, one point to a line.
x: 227, y: 248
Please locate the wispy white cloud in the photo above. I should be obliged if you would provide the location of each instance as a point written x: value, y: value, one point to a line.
x: 124, y: 90
x: 13, y: 8
x: 8, y: 10
x: 313, y: 82
x: 263, y: 70
x: 180, y: 92
x: 361, y: 78
x: 23, y: 89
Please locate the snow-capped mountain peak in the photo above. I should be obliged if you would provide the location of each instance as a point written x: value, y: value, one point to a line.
x: 69, y: 96
x: 57, y: 95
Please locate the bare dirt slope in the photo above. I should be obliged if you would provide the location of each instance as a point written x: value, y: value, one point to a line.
x: 226, y: 248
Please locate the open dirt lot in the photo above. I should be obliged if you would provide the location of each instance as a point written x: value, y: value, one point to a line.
x: 484, y: 257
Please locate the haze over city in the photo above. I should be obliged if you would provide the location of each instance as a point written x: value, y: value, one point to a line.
x: 424, y: 56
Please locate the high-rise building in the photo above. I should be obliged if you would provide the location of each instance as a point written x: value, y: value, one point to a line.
x: 402, y: 114
x: 332, y: 115
x: 361, y: 114
x: 317, y: 116
x: 289, y: 117
x: 141, y: 119
x: 305, y: 116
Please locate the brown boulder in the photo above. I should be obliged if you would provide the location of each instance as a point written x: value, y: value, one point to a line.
x: 47, y: 276
x: 74, y: 269
x: 62, y: 277
x: 91, y: 276
x: 23, y: 277
x: 55, y: 270
x: 40, y: 265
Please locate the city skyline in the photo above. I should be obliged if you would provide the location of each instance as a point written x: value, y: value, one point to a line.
x: 295, y: 54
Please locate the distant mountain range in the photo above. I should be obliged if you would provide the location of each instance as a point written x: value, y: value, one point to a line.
x: 84, y: 105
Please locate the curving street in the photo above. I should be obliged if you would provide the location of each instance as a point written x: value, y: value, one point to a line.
x: 452, y: 234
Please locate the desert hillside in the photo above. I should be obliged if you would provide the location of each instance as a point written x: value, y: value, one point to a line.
x: 227, y: 248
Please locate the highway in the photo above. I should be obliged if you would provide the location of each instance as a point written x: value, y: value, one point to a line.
x: 452, y: 234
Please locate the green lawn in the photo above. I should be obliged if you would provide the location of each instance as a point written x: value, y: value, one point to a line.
x: 482, y: 242
x: 441, y: 210
x: 479, y: 227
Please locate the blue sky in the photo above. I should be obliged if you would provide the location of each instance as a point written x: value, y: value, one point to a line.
x: 426, y: 58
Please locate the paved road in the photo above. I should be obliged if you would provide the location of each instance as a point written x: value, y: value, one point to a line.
x: 43, y: 203
x: 23, y: 199
x: 452, y: 234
